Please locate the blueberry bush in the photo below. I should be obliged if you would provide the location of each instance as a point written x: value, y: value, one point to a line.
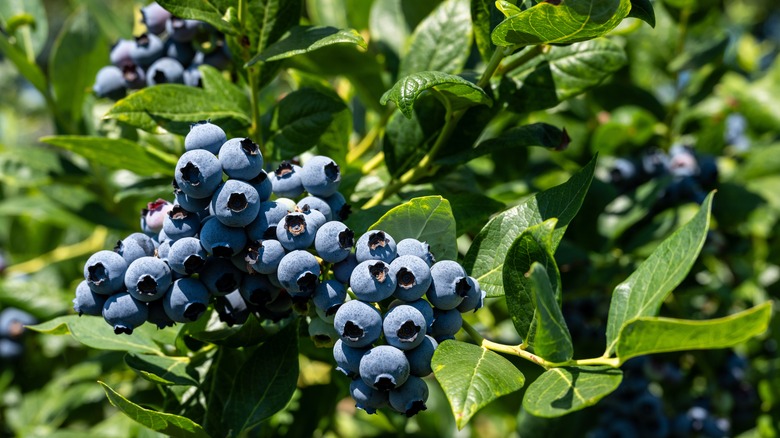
x: 389, y: 217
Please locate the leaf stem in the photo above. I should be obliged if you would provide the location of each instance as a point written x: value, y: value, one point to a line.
x: 373, y: 163
x: 255, y: 130
x: 371, y: 136
x: 91, y: 244
x: 530, y: 54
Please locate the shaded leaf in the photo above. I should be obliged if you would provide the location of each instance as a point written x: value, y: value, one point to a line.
x: 305, y: 39
x: 210, y: 11
x: 268, y: 20
x: 454, y: 92
x: 560, y: 391
x: 117, y: 153
x: 428, y: 219
x: 643, y: 10
x: 472, y: 377
x: 642, y: 293
x: 95, y: 333
x: 162, y: 369
x: 552, y: 340
x: 29, y: 69
x: 647, y: 335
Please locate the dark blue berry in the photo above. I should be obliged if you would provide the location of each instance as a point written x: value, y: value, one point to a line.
x: 384, y: 367
x: 241, y: 158
x: 148, y: 278
x: 205, y: 135
x: 410, y: 398
x: 298, y: 272
x: 124, y: 313
x: 358, y: 323
x: 186, y: 300
x: 105, y: 272
x: 404, y: 327
x: 371, y: 281
x: 375, y: 245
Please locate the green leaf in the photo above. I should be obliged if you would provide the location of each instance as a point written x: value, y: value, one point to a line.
x: 484, y: 17
x: 80, y: 51
x: 302, y: 118
x: 485, y: 258
x: 534, y: 134
x: 643, y: 10
x: 560, y: 391
x: 647, y: 335
x: 210, y: 11
x: 454, y: 92
x: 563, y: 22
x: 472, y: 210
x: 406, y: 140
x: 117, y: 153
x: 25, y: 20
x: 472, y: 377
x: 268, y: 20
x: 642, y: 293
x: 265, y: 383
x: 305, y: 39
x: 534, y: 245
x: 552, y: 340
x: 560, y: 74
x: 28, y: 68
x: 442, y: 41
x: 169, y: 424
x: 387, y: 25
x: 174, y: 107
x: 164, y: 370
x: 428, y: 219
x: 95, y: 333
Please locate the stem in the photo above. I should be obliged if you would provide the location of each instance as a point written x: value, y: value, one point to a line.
x: 373, y: 163
x: 495, y: 60
x: 532, y: 53
x: 368, y: 141
x: 255, y: 130
x: 90, y: 245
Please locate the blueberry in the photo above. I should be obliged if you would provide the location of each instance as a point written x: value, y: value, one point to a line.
x: 186, y: 300
x: 348, y: 358
x: 316, y: 203
x: 105, y: 272
x: 384, y: 367
x: 232, y: 309
x: 359, y: 324
x: 338, y: 206
x: 218, y: 58
x: 375, y: 245
x: 321, y: 176
x: 192, y: 77
x: 235, y: 203
x: 286, y: 180
x: 148, y: 278
x: 153, y: 215
x: 181, y: 223
x: 221, y: 240
x: 219, y: 276
x: 110, y: 83
x: 623, y: 172
x: 449, y: 285
x: 410, y: 398
x: 124, y: 313
x: 165, y: 71
x: 164, y: 249
x: 157, y: 315
x: 296, y: 231
x: 205, y: 135
x: 322, y: 334
x: 412, y: 276
x: 148, y: 49
x: 183, y: 52
x: 264, y: 226
x: 474, y: 299
x: 263, y: 185
x: 445, y: 323
x: 420, y: 357
x: 135, y: 246
x: 404, y: 327
x: 371, y: 281
x: 298, y: 272
x: 280, y: 307
x: 193, y: 205
x: 315, y: 217
x: 258, y: 290
x: 12, y: 322
x: 198, y: 173
x: 10, y: 349
x: 366, y: 397
x: 182, y: 30
x: 329, y: 296
x: 241, y: 158
x: 88, y: 302
x: 120, y: 53
x: 342, y: 270
x: 334, y: 241
x: 186, y: 256
x: 154, y: 17
x: 264, y: 255
x: 423, y: 306
x: 410, y: 246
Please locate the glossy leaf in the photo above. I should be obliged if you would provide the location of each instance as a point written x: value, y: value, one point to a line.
x: 305, y: 39
x: 264, y: 383
x: 169, y: 424
x: 560, y: 391
x: 442, y: 41
x: 210, y: 11
x: 648, y: 335
x: 560, y: 74
x: 268, y: 20
x: 387, y: 25
x: 472, y: 210
x: 483, y: 20
x: 174, y: 107
x: 485, y: 258
x: 534, y: 134
x: 642, y: 293
x: 117, y: 153
x: 552, y: 340
x: 407, y: 140
x: 534, y: 245
x: 454, y: 92
x: 428, y: 219
x: 164, y: 370
x: 95, y: 333
x: 472, y: 377
x: 563, y: 22
x: 643, y: 10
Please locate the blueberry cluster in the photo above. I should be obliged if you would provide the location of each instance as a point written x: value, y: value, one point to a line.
x: 692, y: 174
x: 168, y: 53
x: 12, y: 322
